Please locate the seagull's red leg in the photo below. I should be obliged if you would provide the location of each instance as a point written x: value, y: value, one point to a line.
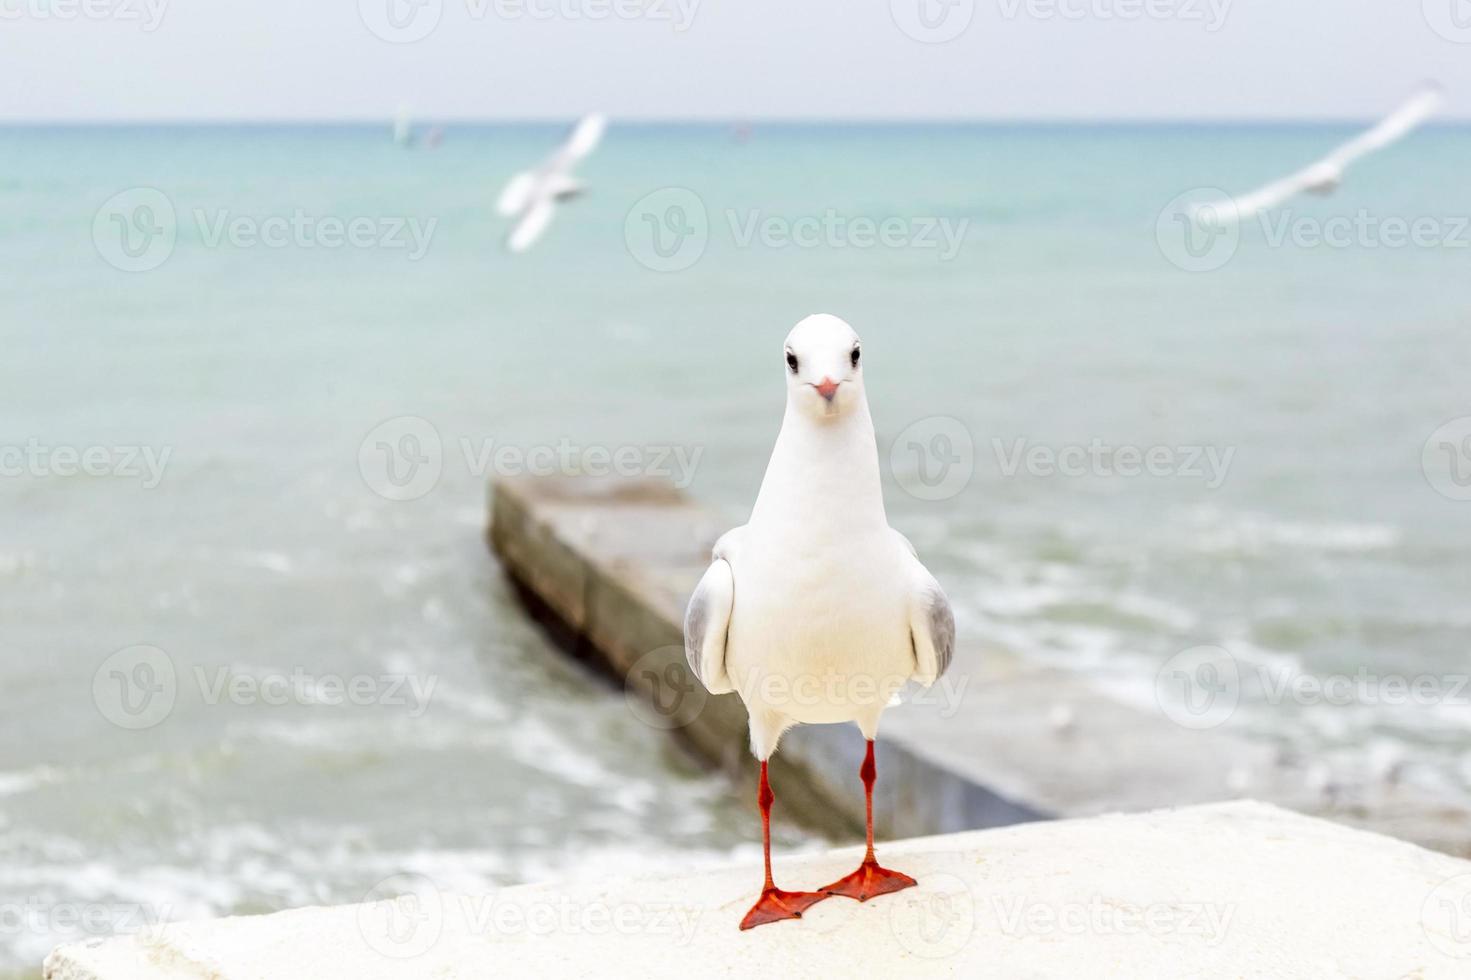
x: 774, y: 904
x: 870, y: 880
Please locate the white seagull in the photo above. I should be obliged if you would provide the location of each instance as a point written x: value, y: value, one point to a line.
x: 531, y: 196
x: 816, y: 611
x: 1325, y: 176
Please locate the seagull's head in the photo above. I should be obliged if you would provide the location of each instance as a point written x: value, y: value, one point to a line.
x: 824, y: 366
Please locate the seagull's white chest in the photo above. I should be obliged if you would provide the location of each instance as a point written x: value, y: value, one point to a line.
x: 819, y: 629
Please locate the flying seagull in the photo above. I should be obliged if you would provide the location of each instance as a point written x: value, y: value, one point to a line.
x: 1325, y: 176
x: 532, y: 195
x: 816, y: 611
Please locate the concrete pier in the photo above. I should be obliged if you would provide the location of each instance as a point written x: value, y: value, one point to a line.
x: 611, y: 562
x: 1231, y: 890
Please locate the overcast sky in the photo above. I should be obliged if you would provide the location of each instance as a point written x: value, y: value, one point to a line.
x: 727, y: 59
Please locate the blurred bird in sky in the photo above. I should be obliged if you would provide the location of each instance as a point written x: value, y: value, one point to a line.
x: 531, y: 196
x: 1325, y: 176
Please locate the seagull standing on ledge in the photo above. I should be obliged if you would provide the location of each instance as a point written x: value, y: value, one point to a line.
x: 817, y: 611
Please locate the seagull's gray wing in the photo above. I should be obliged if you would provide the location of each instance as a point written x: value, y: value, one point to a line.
x: 931, y: 628
x: 706, y: 624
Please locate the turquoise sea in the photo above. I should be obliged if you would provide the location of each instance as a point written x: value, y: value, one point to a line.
x: 289, y: 360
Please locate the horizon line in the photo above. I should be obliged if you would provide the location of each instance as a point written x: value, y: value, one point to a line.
x: 387, y: 118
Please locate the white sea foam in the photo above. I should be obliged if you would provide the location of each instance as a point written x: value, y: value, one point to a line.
x: 471, y: 702
x: 1216, y: 532
x: 17, y: 563
x: 537, y: 745
x: 238, y: 867
x: 1022, y: 599
x: 402, y: 577
x: 15, y: 783
x: 271, y: 561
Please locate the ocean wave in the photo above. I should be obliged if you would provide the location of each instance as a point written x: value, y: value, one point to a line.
x: 246, y: 869
x: 17, y: 563
x: 16, y: 783
x: 1215, y: 532
x: 272, y: 561
x: 1053, y: 591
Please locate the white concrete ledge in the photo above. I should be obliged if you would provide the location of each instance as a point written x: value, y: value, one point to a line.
x: 1226, y: 890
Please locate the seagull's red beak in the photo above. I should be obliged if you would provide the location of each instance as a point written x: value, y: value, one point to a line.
x: 827, y: 388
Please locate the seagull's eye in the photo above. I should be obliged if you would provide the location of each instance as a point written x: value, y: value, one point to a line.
x: 792, y: 361
x: 855, y: 357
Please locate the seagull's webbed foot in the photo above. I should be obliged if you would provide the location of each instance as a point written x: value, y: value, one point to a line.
x: 870, y: 881
x: 775, y: 905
